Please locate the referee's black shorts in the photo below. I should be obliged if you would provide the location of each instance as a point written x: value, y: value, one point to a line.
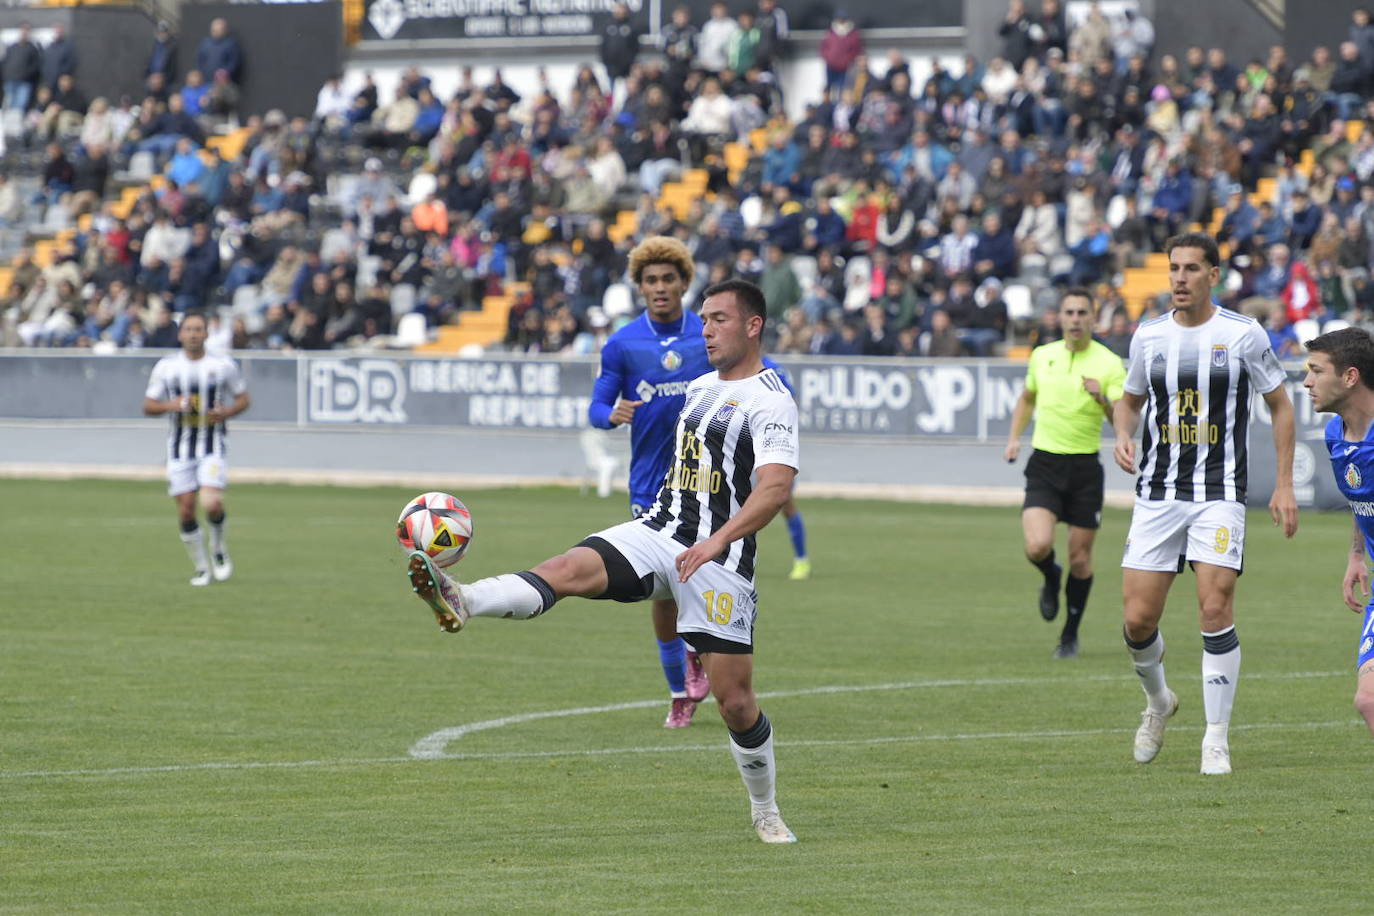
x: 1070, y: 486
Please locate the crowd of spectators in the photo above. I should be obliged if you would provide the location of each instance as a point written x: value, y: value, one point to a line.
x: 897, y: 216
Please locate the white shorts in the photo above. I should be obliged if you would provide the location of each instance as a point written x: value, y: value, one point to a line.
x: 714, y: 600
x: 1164, y: 532
x: 187, y: 474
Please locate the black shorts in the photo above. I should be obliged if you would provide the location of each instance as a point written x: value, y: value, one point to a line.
x: 1070, y: 486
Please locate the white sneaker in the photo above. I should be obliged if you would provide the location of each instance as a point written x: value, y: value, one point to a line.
x: 222, y: 566
x: 441, y: 593
x: 1216, y: 760
x: 202, y: 577
x: 1150, y: 736
x: 771, y: 829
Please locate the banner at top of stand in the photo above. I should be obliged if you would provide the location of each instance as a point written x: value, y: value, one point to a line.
x: 513, y: 21
x: 414, y: 20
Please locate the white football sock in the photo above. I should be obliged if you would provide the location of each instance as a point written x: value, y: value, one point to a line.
x: 195, y: 549
x: 1220, y: 671
x: 1149, y: 665
x: 217, y: 537
x: 757, y: 769
x: 503, y: 596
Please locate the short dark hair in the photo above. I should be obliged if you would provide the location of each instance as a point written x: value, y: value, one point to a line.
x: 748, y: 296
x: 1348, y: 347
x: 195, y: 313
x: 1081, y: 292
x: 1200, y: 240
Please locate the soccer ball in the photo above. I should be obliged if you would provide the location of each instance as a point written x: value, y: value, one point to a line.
x: 437, y: 524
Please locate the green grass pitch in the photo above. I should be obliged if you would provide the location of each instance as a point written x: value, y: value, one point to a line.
x: 245, y: 747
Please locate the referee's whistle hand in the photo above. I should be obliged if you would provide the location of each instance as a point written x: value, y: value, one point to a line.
x: 1013, y: 449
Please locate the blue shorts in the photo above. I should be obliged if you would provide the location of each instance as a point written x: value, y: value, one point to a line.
x: 1366, y: 637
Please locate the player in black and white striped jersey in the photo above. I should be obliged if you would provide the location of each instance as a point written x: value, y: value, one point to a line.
x: 1193, y: 372
x: 736, y: 456
x: 198, y: 391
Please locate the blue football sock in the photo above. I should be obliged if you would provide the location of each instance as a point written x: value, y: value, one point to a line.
x: 673, y: 655
x: 798, y: 533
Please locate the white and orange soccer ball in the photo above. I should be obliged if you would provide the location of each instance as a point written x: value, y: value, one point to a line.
x: 437, y: 524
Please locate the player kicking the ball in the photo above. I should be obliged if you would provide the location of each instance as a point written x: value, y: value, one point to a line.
x: 735, y: 456
x: 198, y: 391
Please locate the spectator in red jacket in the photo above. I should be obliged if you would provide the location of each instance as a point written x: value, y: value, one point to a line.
x: 840, y: 47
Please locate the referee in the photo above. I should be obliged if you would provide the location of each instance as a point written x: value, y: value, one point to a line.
x: 1070, y: 387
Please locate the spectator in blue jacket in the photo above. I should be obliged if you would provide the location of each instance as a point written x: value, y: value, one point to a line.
x: 220, y: 51
x: 1170, y: 206
x: 995, y: 253
x: 781, y: 162
x: 59, y: 58
x: 826, y: 226
x: 1304, y: 221
x: 1238, y: 226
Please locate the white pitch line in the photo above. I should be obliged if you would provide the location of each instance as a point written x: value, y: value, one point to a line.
x: 433, y: 746
x: 441, y: 754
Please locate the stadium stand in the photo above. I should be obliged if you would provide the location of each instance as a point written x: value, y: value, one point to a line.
x: 504, y: 222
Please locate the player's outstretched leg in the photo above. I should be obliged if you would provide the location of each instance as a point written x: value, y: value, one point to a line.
x: 513, y: 596
x: 1220, y: 671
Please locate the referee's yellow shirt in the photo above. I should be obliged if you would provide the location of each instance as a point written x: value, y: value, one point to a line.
x: 1067, y: 419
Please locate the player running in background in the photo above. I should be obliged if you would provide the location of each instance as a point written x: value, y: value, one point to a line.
x: 1340, y: 380
x: 1192, y: 372
x: 1070, y: 386
x: 199, y: 391
x: 735, y: 455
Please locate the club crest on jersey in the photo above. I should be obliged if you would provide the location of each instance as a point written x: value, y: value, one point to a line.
x: 726, y: 409
x: 1352, y: 477
x: 1220, y: 357
x: 672, y: 360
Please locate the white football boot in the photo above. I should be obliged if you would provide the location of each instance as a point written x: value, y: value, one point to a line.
x: 1149, y: 738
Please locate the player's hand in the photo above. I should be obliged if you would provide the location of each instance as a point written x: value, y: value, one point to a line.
x: 216, y: 415
x: 624, y: 411
x: 1012, y: 450
x: 1093, y: 387
x: 1355, y: 585
x: 693, y: 558
x: 1124, y: 453
x: 1283, y: 509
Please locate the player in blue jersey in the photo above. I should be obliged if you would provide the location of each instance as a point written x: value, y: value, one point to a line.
x: 1340, y: 380
x: 645, y: 369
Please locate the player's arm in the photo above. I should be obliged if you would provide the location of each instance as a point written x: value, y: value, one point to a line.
x: 220, y: 414
x: 155, y: 408
x: 1126, y: 420
x: 1355, y: 584
x: 1020, y: 419
x: 605, y: 412
x: 772, y: 490
x: 1283, y: 505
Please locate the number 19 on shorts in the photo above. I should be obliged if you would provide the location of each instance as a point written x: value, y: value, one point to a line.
x: 719, y: 606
